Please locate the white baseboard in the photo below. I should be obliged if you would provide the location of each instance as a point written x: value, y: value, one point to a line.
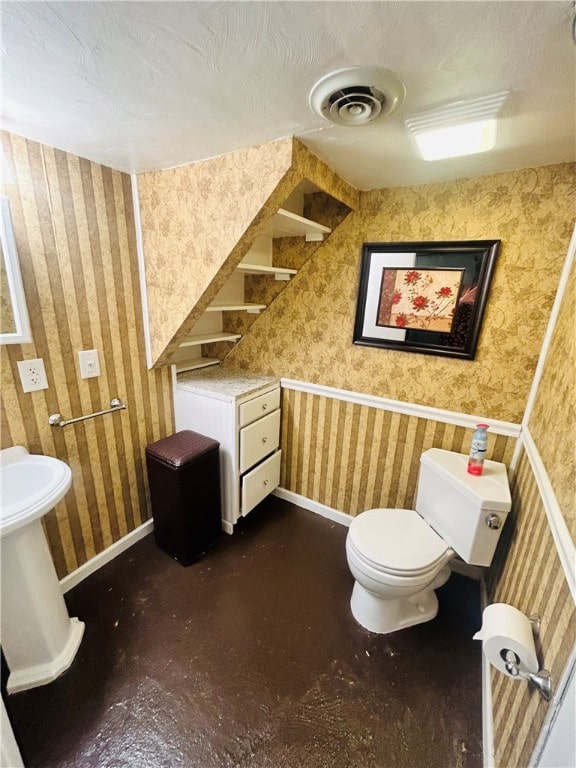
x: 313, y: 506
x: 458, y: 566
x: 74, y: 578
x: 487, y: 711
x: 487, y: 715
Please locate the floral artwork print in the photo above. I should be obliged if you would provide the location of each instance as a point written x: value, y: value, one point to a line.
x: 425, y: 297
x: 419, y: 299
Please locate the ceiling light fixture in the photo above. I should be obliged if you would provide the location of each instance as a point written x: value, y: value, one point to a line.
x: 465, y: 127
x: 357, y: 96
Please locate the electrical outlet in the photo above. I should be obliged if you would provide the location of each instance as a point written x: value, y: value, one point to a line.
x: 32, y: 375
x: 89, y: 363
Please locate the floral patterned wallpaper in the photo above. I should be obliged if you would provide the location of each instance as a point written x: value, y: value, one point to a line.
x: 555, y: 408
x: 192, y: 218
x: 198, y: 222
x: 307, y: 331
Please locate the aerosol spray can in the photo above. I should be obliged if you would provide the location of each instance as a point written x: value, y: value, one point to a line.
x: 478, y: 450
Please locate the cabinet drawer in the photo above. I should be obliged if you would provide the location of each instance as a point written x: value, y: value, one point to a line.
x: 261, y: 481
x: 259, y: 439
x: 259, y: 406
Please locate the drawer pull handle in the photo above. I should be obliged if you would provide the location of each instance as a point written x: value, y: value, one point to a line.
x: 264, y: 439
x: 265, y: 482
x: 265, y: 407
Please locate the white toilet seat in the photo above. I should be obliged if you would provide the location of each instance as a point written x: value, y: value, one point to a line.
x: 383, y: 572
x: 397, y: 542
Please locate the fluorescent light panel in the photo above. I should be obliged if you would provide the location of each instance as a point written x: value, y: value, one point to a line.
x: 462, y: 128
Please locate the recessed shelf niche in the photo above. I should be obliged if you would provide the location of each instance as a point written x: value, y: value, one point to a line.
x: 258, y: 261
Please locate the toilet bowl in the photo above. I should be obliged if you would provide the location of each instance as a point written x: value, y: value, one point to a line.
x: 397, y: 562
x: 398, y: 557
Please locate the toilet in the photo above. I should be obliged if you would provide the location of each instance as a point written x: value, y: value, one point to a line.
x: 398, y: 557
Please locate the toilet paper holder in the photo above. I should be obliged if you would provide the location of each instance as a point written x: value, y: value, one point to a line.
x: 542, y: 679
x: 515, y: 666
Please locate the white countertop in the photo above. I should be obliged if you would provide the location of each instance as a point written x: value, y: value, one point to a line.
x: 224, y: 384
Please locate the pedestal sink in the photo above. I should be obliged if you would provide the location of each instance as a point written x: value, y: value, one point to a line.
x: 38, y: 637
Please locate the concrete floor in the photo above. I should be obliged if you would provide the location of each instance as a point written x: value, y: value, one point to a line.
x: 250, y: 658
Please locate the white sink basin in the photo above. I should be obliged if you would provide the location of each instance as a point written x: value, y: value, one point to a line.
x: 39, y: 639
x: 30, y: 486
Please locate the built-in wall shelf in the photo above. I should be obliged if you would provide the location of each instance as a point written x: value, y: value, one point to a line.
x: 236, y: 307
x: 194, y: 339
x: 196, y: 364
x: 188, y: 356
x: 280, y: 273
x: 288, y: 224
x: 258, y: 261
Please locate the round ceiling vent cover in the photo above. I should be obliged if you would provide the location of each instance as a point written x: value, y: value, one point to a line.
x: 357, y: 95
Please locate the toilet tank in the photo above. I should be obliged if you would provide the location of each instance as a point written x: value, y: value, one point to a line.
x: 459, y: 506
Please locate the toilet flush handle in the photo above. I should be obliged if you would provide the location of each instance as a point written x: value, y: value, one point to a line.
x: 493, y: 522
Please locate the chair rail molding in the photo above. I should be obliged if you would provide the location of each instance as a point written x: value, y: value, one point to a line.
x: 507, y: 428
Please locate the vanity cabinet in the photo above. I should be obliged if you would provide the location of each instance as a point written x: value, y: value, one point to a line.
x: 242, y: 412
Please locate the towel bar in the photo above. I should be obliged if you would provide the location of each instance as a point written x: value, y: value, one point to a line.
x: 56, y: 420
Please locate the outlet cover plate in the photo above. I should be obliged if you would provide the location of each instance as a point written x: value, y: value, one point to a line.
x: 89, y: 363
x: 32, y: 375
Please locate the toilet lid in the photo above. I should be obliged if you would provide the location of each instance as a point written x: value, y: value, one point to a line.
x: 397, y: 540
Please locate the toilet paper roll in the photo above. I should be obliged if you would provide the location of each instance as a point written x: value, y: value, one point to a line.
x: 506, y: 628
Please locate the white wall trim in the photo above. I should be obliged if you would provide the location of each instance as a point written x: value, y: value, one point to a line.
x: 487, y: 716
x: 74, y: 578
x: 567, y: 554
x: 313, y: 506
x: 141, y: 267
x: 562, y: 285
x: 518, y: 447
x: 409, y: 409
x: 560, y: 694
x: 487, y: 711
x: 562, y: 538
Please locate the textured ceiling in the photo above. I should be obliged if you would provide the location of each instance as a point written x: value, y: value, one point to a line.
x: 149, y: 85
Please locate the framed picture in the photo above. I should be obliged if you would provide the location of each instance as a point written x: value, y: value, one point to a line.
x: 424, y: 297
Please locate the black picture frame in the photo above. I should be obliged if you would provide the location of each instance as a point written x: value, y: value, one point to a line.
x: 426, y: 297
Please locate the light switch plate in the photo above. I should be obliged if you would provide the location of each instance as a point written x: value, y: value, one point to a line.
x: 89, y: 363
x: 32, y: 374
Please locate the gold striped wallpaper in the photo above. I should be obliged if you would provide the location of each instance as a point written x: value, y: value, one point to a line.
x: 75, y: 235
x: 355, y: 457
x: 529, y: 576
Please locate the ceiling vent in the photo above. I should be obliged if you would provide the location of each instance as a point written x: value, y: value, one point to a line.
x: 357, y: 95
